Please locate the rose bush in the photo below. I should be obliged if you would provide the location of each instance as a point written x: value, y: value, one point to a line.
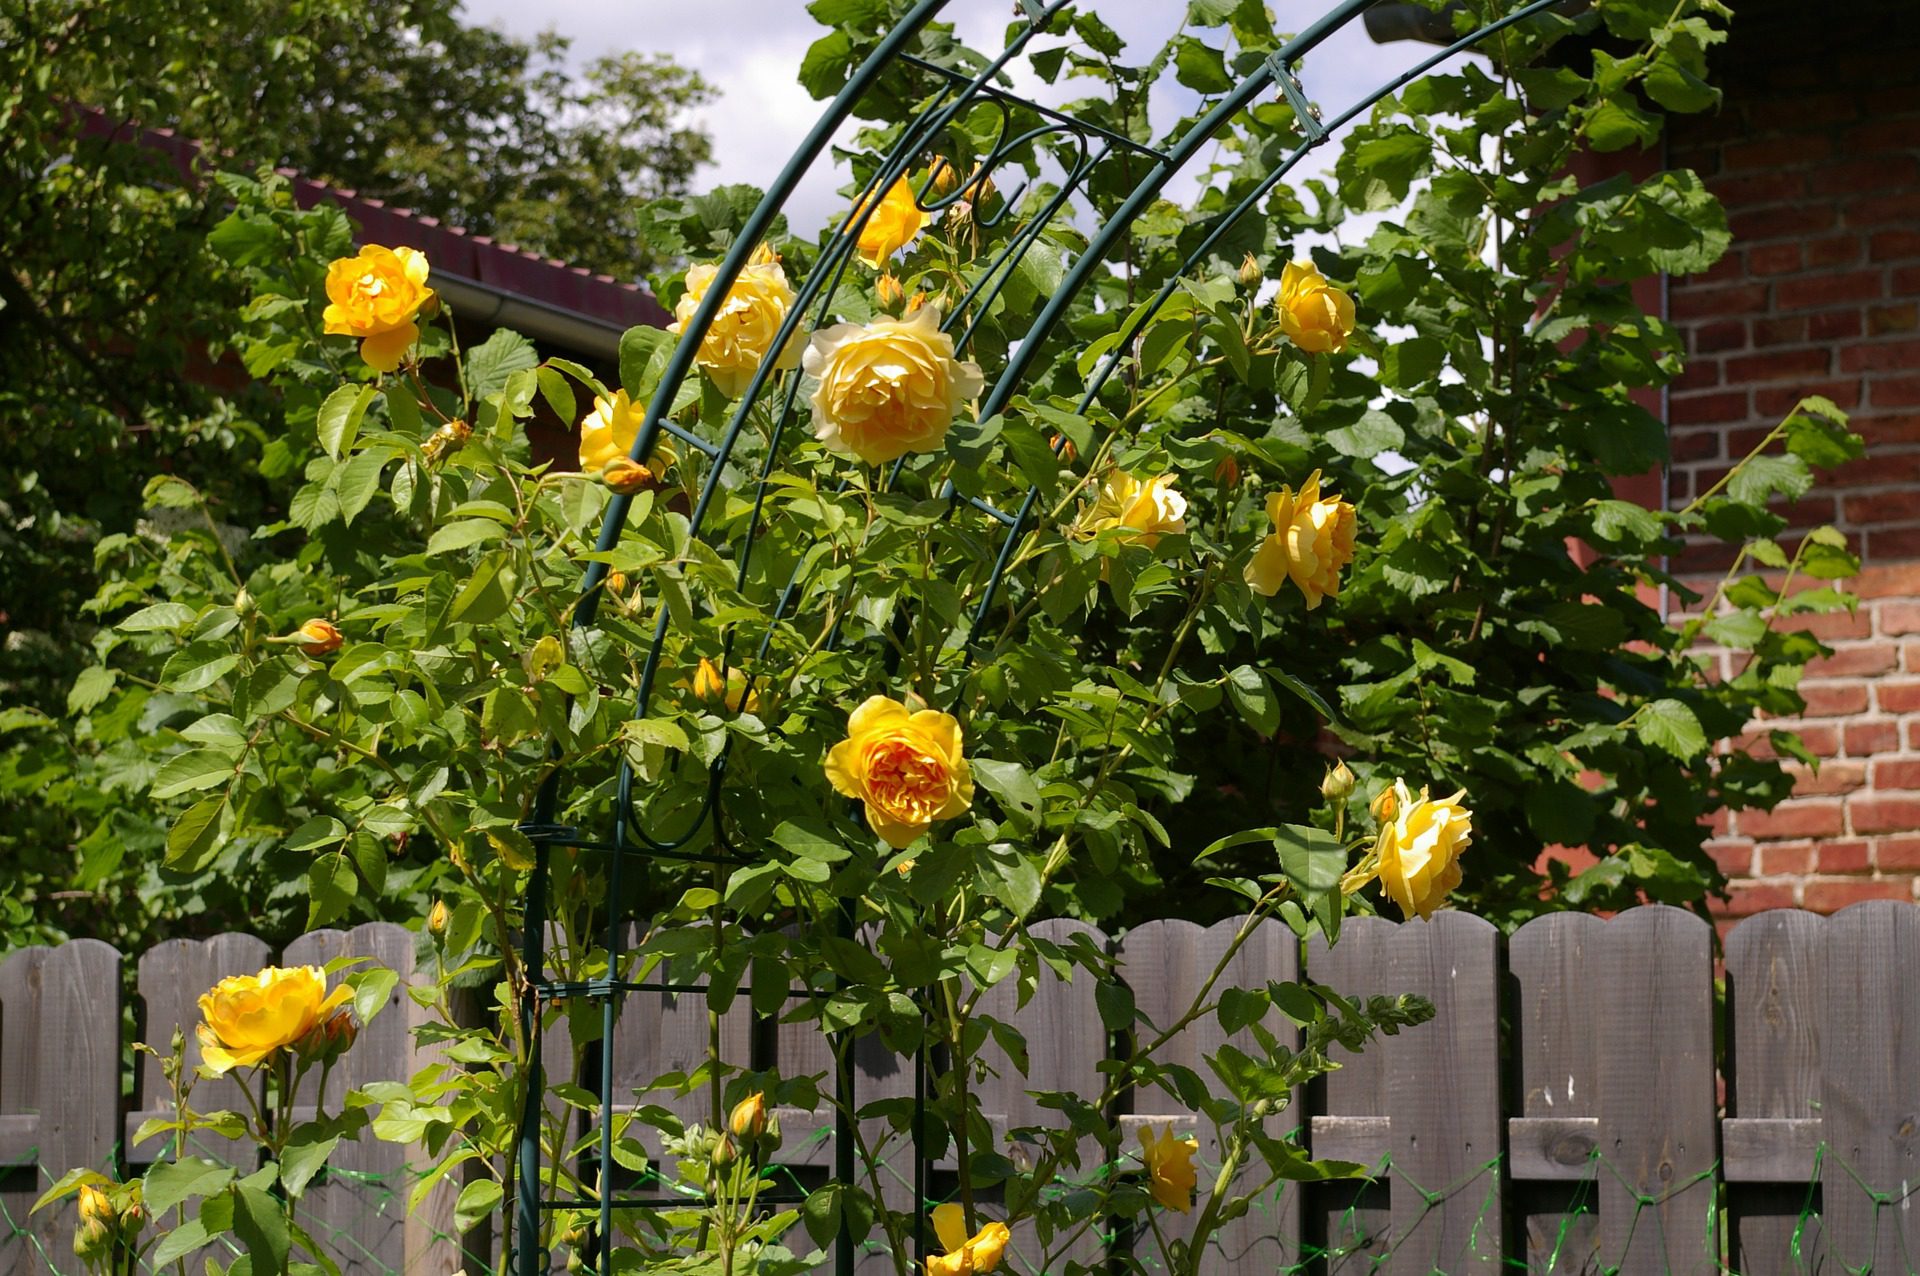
x: 1219, y: 590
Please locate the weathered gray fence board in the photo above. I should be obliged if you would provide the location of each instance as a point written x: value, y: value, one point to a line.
x: 65, y: 1072
x: 1559, y: 1081
x: 1443, y: 1079
x: 1356, y: 1221
x: 657, y: 1033
x: 1871, y: 1093
x: 1653, y: 985
x: 1776, y: 976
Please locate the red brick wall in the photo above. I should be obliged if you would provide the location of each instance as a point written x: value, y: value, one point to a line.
x: 1816, y: 155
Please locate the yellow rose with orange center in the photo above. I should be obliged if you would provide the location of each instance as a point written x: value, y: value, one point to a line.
x: 905, y: 765
x: 966, y: 1255
x: 1170, y: 1172
x: 1315, y: 315
x: 888, y: 388
x: 1311, y: 543
x: 606, y: 440
x: 376, y: 296
x: 743, y: 332
x: 896, y: 221
x: 1146, y: 508
x: 245, y: 1018
x: 1417, y: 854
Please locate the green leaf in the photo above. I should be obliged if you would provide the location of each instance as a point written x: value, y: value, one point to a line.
x: 1671, y: 726
x: 1011, y: 878
x: 178, y: 1243
x: 477, y: 1200
x: 332, y: 884
x: 339, y: 419
x: 1114, y: 1000
x: 490, y: 363
x: 94, y: 684
x: 1200, y: 66
x: 1619, y: 124
x: 1312, y: 859
x: 355, y: 482
x: 306, y: 1153
x: 464, y: 533
x: 1372, y: 434
x: 168, y: 1183
x: 1254, y: 699
x: 194, y: 769
x: 1013, y: 788
x: 372, y: 989
x: 558, y: 393
x: 261, y: 1227
x: 1758, y: 479
x: 159, y: 616
x: 1625, y: 522
x: 810, y: 842
x: 644, y: 352
x: 195, y: 835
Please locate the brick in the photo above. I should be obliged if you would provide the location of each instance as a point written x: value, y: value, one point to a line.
x: 1884, y: 319
x: 1689, y: 301
x: 1747, y: 189
x: 1842, y: 857
x: 1834, y: 325
x: 1831, y: 897
x: 1695, y: 445
x: 1877, y: 356
x: 1875, y: 210
x: 1778, y: 365
x: 1897, y: 853
x: 1771, y: 259
x: 1809, y: 291
x: 1735, y: 859
x: 1781, y: 859
x: 1902, y: 542
x: 1799, y: 111
x: 1876, y: 172
x: 1887, y: 580
x: 1820, y: 740
x: 1851, y: 662
x: 1893, y: 245
x: 1775, y: 152
x: 1701, y: 409
x: 1896, y: 775
x: 1879, y: 135
x: 1906, y: 281
x: 1896, y: 392
x: 1900, y: 618
x: 1729, y: 334
x: 1833, y: 778
x: 1837, y: 700
x: 1876, y: 471
x: 1796, y: 817
x: 1885, y: 814
x: 1832, y: 250
x: 1880, y: 432
x: 1882, y: 507
x: 1699, y: 375
x: 1864, y: 739
x: 1780, y: 330
x: 1779, y: 223
x: 1898, y: 697
x: 1745, y: 899
x: 1834, y: 626
x: 1777, y: 401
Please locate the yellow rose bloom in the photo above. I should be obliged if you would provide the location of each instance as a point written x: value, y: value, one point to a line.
x: 966, y: 1255
x: 1315, y: 315
x: 897, y: 220
x: 1311, y: 542
x: 1170, y: 1171
x: 1148, y: 508
x: 742, y: 333
x: 888, y: 388
x: 1417, y: 854
x: 376, y: 296
x: 606, y: 437
x: 245, y: 1018
x: 731, y: 691
x: 319, y: 637
x: 906, y: 766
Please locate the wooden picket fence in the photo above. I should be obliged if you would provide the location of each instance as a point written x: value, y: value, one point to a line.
x: 1582, y: 1102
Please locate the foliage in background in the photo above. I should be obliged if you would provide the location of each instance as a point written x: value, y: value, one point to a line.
x: 113, y: 307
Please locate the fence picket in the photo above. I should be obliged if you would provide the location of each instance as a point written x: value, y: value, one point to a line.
x: 1871, y: 1093
x: 1555, y: 1033
x: 1776, y: 975
x: 1653, y: 972
x: 1444, y: 1081
x: 1354, y: 1220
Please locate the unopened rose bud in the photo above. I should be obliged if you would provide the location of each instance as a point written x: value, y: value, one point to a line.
x: 95, y: 1205
x: 945, y: 176
x: 439, y: 917
x: 709, y: 686
x: 328, y: 1039
x: 1063, y: 448
x: 446, y: 440
x: 888, y: 292
x: 1339, y: 783
x: 319, y: 637
x: 1384, y: 806
x: 1228, y: 471
x: 725, y: 1151
x: 133, y: 1220
x: 627, y: 476
x: 749, y: 1118
x: 1251, y: 272
x: 617, y: 584
x: 92, y: 1239
x: 244, y: 605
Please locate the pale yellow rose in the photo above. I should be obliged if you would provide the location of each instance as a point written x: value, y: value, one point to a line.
x: 1311, y: 543
x: 1170, y: 1172
x: 743, y: 332
x: 966, y: 1255
x: 1314, y: 314
x: 1147, y: 508
x: 906, y: 766
x: 896, y: 221
x: 888, y: 388
x: 376, y: 296
x: 1417, y: 854
x: 606, y: 438
x: 245, y: 1018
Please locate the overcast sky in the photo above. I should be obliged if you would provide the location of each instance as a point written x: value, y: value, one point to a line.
x: 751, y: 50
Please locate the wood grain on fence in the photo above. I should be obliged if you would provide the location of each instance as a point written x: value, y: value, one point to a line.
x: 1587, y: 1140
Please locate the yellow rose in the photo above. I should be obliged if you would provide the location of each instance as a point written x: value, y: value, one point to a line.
x: 1311, y: 542
x: 966, y: 1255
x: 1417, y: 855
x: 96, y: 1206
x: 376, y: 296
x: 245, y: 1018
x: 906, y: 766
x: 742, y: 333
x: 606, y: 437
x: 889, y: 388
x: 748, y: 1120
x: 1149, y: 509
x: 1317, y: 316
x: 319, y: 637
x: 1170, y: 1171
x: 731, y: 691
x: 896, y: 221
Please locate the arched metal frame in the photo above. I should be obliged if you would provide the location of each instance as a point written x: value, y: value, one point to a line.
x: 1092, y: 145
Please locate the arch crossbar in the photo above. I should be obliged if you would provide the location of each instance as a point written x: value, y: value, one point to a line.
x: 1079, y: 147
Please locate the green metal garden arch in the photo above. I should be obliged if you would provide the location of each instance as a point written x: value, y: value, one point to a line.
x: 628, y: 838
